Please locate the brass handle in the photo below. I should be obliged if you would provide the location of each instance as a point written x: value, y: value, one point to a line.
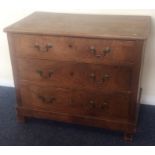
x: 106, y: 51
x: 44, y: 74
x: 104, y: 105
x: 93, y: 50
x: 43, y: 48
x: 47, y: 99
x: 92, y: 103
x: 105, y: 77
x: 40, y: 72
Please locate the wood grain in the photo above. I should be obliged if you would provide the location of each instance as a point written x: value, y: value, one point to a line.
x: 113, y: 106
x: 107, y: 26
x: 76, y: 75
x: 76, y: 49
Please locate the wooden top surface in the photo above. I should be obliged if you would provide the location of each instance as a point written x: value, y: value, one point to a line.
x: 82, y: 25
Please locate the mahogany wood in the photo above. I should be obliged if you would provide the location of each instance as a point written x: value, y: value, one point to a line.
x: 81, y: 69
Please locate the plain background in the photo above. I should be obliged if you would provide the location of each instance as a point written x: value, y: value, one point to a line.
x: 12, y: 11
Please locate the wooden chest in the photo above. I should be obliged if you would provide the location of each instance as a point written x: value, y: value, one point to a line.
x: 81, y: 69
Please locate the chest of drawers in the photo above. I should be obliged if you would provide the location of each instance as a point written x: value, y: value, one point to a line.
x: 82, y: 69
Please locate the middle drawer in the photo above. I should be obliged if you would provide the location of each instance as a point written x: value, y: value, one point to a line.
x: 75, y: 75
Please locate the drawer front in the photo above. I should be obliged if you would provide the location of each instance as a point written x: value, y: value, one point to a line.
x: 75, y: 49
x: 76, y: 75
x: 83, y: 103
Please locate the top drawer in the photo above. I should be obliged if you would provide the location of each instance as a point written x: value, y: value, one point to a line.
x: 75, y: 49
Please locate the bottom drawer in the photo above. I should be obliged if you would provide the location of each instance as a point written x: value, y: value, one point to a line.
x: 75, y: 102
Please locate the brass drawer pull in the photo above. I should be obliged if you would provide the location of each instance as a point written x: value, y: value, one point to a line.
x: 93, y: 105
x: 93, y: 50
x: 104, y: 52
x: 40, y: 72
x: 44, y: 74
x: 47, y: 99
x: 105, y: 77
x: 43, y: 48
